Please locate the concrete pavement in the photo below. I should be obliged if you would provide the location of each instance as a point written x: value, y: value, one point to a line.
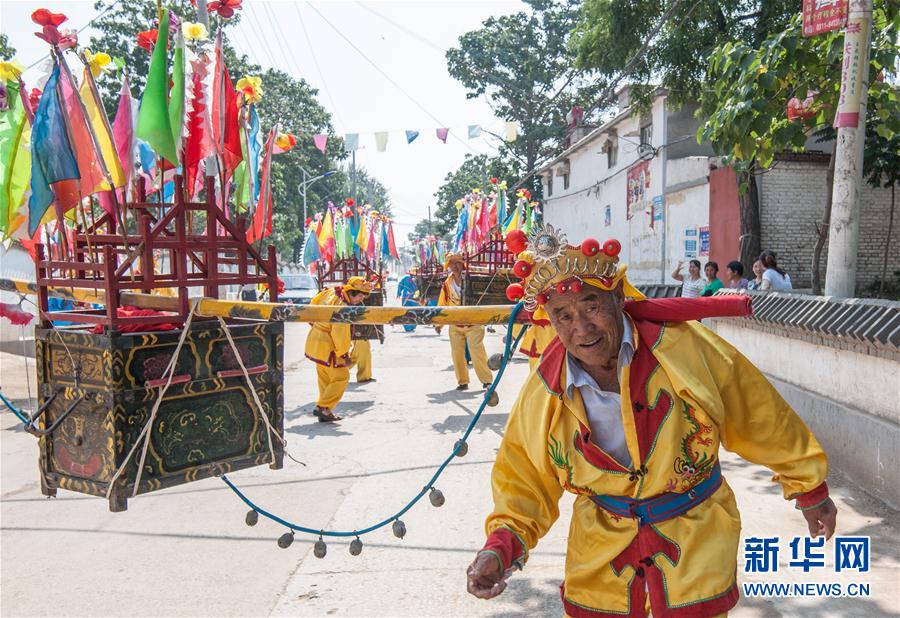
x: 187, y: 552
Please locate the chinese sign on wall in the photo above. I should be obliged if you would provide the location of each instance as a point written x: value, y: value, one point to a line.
x: 638, y: 197
x: 690, y: 242
x: 704, y: 241
x: 820, y: 16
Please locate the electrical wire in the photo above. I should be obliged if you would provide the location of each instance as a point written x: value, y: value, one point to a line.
x: 512, y: 344
x: 312, y: 53
x: 387, y: 77
x: 259, y: 32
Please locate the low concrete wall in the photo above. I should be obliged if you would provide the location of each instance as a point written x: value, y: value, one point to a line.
x: 846, y: 389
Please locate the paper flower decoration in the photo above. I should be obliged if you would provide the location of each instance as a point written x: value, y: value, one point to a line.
x: 224, y: 8
x: 494, y: 180
x: 34, y: 97
x: 97, y: 62
x: 350, y: 201
x: 251, y: 87
x: 147, y: 39
x: 43, y: 17
x: 194, y: 31
x: 10, y: 70
x: 50, y: 22
x: 284, y: 142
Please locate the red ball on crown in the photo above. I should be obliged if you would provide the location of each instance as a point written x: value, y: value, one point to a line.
x: 590, y: 247
x: 516, y: 241
x: 515, y: 292
x: 522, y: 268
x: 612, y: 247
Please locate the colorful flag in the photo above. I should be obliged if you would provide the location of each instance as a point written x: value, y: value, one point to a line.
x: 392, y: 244
x: 510, y: 131
x: 153, y: 125
x: 362, y: 236
x: 326, y: 237
x: 197, y: 144
x: 52, y: 159
x: 262, y: 215
x: 311, y: 248
x: 512, y: 222
x: 411, y: 136
x: 442, y: 134
x: 320, y: 140
x: 474, y: 131
x: 102, y: 131
x: 381, y: 139
x: 351, y: 141
x: 123, y: 132
x: 226, y: 126
x: 177, y: 94
x: 90, y: 163
x: 15, y: 158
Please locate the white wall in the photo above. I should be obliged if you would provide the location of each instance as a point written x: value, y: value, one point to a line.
x: 16, y: 264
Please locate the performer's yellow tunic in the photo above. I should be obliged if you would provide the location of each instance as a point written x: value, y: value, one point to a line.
x: 328, y: 346
x: 460, y: 334
x: 685, y: 392
x: 535, y: 341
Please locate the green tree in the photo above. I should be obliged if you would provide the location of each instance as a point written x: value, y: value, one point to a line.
x: 668, y: 43
x: 474, y: 173
x: 6, y: 51
x: 749, y: 88
x: 524, y: 64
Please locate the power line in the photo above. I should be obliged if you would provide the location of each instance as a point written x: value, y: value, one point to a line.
x: 312, y: 52
x: 404, y: 29
x: 276, y: 26
x: 387, y: 77
x: 260, y: 32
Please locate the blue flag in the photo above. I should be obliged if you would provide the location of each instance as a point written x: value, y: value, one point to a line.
x: 411, y: 136
x: 254, y: 145
x: 311, y: 249
x: 52, y: 157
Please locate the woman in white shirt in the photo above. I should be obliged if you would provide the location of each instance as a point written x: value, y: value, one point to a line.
x: 774, y: 279
x: 692, y: 285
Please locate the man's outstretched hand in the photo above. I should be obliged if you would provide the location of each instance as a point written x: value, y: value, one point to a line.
x: 822, y: 519
x: 485, y: 576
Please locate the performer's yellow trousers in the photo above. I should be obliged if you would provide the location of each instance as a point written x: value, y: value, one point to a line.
x: 332, y: 384
x: 361, y: 356
x: 474, y: 336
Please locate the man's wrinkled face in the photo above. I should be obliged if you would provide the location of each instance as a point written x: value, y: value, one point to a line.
x: 355, y: 298
x: 589, y: 323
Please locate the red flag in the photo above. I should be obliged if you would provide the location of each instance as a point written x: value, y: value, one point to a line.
x: 90, y: 163
x: 226, y: 129
x: 262, y: 216
x: 392, y: 245
x: 197, y: 144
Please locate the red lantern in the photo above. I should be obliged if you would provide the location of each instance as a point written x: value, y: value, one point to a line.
x: 612, y: 248
x: 541, y: 299
x: 522, y: 268
x: 515, y: 292
x: 516, y: 241
x: 576, y: 286
x: 590, y: 247
x: 561, y: 288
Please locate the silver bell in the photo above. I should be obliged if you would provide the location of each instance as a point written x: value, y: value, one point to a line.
x: 399, y: 529
x: 436, y: 497
x: 494, y: 362
x: 355, y: 547
x: 461, y: 447
x: 320, y: 549
x: 252, y: 518
x: 285, y: 540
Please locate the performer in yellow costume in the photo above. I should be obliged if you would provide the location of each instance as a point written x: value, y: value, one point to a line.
x: 361, y: 350
x: 628, y: 411
x: 463, y: 334
x: 328, y: 346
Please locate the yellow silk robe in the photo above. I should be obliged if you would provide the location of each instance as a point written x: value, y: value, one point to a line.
x: 685, y: 392
x: 328, y: 341
x: 535, y: 341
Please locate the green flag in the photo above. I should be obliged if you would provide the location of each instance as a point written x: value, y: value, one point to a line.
x: 176, y: 96
x: 153, y: 124
x: 15, y: 158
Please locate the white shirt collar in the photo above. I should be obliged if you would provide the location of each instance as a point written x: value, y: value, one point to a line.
x: 576, y: 376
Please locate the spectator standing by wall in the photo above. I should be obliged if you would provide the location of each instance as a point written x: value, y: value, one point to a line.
x: 692, y: 284
x: 774, y: 278
x: 758, y: 270
x: 712, y: 276
x: 735, y: 273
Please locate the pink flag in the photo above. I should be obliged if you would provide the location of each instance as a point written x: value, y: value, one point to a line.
x: 123, y: 132
x: 442, y: 134
x: 320, y: 140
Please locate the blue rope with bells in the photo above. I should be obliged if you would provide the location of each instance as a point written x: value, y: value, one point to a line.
x: 434, y: 494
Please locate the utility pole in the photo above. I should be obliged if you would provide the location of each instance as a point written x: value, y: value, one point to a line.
x: 429, y: 220
x: 353, y: 174
x: 843, y: 236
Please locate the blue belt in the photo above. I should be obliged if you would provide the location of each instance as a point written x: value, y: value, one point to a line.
x: 664, y: 506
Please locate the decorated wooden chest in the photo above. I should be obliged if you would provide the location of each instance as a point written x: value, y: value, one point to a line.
x: 100, y: 389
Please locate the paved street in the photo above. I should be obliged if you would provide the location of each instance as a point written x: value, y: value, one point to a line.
x: 187, y: 552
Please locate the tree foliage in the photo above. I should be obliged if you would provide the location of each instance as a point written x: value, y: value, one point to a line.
x: 6, y: 51
x: 610, y: 32
x: 474, y: 172
x: 524, y: 65
x: 750, y: 87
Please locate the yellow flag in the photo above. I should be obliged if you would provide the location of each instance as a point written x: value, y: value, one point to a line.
x: 100, y: 126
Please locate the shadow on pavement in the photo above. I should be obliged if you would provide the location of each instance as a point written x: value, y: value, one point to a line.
x: 531, y: 599
x: 458, y: 424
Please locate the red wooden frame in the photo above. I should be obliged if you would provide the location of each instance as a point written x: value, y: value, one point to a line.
x: 104, y: 256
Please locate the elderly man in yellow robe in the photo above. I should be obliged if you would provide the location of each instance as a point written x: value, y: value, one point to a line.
x: 463, y: 334
x: 328, y: 346
x: 628, y: 410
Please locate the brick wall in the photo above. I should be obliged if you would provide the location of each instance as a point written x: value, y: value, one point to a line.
x: 792, y: 199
